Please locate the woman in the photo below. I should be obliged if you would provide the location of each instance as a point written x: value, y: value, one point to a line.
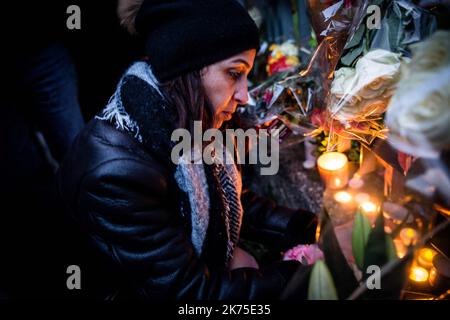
x: 161, y: 230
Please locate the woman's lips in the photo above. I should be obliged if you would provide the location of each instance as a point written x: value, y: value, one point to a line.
x: 227, y: 115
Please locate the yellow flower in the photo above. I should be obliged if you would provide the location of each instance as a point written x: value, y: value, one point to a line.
x: 273, y: 47
x: 292, y: 61
x: 278, y: 55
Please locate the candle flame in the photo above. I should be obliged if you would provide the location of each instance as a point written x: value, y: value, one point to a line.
x: 369, y: 207
x: 343, y: 197
x: 337, y: 182
x: 427, y: 254
x: 410, y: 233
x: 332, y: 161
x: 409, y: 236
x: 418, y: 274
x: 425, y: 257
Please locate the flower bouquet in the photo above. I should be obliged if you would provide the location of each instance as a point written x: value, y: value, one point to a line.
x: 369, y: 71
x: 282, y: 57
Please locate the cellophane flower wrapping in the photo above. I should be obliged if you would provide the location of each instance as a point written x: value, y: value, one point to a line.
x: 370, y: 68
x: 290, y: 95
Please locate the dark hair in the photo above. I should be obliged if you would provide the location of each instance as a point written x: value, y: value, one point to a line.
x: 127, y: 11
x: 188, y: 95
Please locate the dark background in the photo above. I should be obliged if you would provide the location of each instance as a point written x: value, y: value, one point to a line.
x: 101, y: 49
x: 36, y: 244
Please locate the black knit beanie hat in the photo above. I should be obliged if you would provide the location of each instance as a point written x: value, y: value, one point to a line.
x: 186, y: 35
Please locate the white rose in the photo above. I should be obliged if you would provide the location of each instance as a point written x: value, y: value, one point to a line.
x: 365, y: 90
x: 418, y: 115
x: 432, y: 53
x: 342, y: 81
x: 289, y: 49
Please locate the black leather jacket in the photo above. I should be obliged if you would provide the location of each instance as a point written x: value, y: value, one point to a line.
x: 126, y: 204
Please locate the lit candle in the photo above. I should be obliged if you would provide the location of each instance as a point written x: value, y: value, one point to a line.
x: 343, y: 197
x: 418, y: 274
x: 400, y: 248
x: 409, y: 236
x: 333, y: 169
x: 425, y: 257
x: 369, y: 208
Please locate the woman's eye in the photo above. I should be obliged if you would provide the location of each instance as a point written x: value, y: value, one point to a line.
x: 235, y: 75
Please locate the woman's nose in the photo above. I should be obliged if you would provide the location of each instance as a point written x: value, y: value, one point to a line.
x: 241, y: 93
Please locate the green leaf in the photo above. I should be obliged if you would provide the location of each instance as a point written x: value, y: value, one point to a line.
x: 375, y: 253
x: 321, y: 285
x: 360, y: 236
x: 390, y: 248
x: 379, y: 250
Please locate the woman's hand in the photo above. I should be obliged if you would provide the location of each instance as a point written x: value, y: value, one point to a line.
x: 243, y: 259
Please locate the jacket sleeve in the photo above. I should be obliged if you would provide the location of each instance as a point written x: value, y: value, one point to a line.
x: 277, y: 226
x: 123, y: 205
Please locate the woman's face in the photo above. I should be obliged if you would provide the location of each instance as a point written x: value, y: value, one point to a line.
x: 225, y: 84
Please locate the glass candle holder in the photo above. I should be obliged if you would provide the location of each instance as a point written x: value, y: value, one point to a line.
x: 418, y: 275
x: 425, y: 257
x: 409, y: 236
x: 333, y: 169
x: 440, y: 273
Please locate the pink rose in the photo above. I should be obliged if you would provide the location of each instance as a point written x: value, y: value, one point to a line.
x: 305, y: 254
